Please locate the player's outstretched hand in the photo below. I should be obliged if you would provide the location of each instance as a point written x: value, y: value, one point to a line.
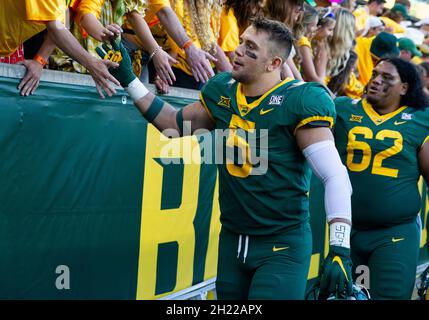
x: 117, y: 53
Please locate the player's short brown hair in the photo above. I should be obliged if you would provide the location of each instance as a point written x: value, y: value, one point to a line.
x: 279, y: 36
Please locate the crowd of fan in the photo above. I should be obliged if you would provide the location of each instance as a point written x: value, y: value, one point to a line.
x: 183, y: 43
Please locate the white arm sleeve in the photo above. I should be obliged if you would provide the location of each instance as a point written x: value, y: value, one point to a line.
x: 326, y: 164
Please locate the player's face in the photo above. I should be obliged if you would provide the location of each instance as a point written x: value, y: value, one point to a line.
x: 251, y: 56
x: 385, y: 86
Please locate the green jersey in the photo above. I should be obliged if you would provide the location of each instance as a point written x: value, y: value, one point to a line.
x: 254, y: 199
x: 381, y: 155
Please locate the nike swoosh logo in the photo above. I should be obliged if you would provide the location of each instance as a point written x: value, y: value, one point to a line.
x: 397, y: 239
x: 338, y: 260
x: 279, y: 249
x: 262, y: 112
x: 397, y: 123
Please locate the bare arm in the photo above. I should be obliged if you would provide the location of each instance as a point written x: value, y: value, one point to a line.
x: 47, y: 47
x: 173, y: 26
x: 307, y: 65
x: 294, y: 69
x: 162, y: 60
x: 96, y: 30
x: 424, y: 161
x: 31, y: 80
x: 198, y: 59
x: 98, y: 68
x: 321, y: 62
x: 286, y: 71
x: 306, y: 136
x: 195, y: 113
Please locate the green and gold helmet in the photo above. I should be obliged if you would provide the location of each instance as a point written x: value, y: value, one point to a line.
x: 359, y: 293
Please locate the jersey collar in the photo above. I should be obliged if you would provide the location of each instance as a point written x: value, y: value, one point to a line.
x: 377, y: 118
x: 244, y: 108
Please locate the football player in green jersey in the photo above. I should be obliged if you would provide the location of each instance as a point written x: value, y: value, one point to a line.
x: 383, y: 140
x: 265, y: 243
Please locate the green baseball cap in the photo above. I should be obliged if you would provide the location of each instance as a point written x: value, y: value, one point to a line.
x: 400, y: 8
x: 384, y: 44
x: 409, y: 45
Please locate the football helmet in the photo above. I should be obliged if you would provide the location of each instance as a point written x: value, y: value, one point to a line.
x: 423, y: 287
x: 359, y: 293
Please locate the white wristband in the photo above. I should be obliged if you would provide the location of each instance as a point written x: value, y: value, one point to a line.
x: 136, y: 89
x: 339, y: 234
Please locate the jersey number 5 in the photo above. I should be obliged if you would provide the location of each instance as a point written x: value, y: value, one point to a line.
x: 234, y: 140
x: 377, y: 166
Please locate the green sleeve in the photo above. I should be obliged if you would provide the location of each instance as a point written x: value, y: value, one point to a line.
x: 313, y: 106
x: 342, y: 102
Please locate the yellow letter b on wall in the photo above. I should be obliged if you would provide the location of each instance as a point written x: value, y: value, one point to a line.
x: 170, y: 200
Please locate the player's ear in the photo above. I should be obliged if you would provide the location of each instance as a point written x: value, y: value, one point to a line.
x: 404, y: 89
x: 276, y: 63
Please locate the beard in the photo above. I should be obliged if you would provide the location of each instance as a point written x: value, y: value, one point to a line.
x: 373, y: 100
x: 241, y: 77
